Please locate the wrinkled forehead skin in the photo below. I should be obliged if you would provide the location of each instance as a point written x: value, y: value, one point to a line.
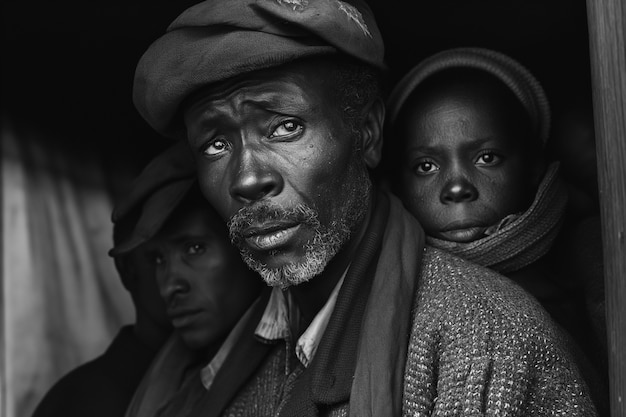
x: 294, y: 85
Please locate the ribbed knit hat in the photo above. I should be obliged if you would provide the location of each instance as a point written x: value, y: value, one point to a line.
x: 513, y: 74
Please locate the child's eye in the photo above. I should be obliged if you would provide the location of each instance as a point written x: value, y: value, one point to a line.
x: 288, y: 128
x: 195, y: 249
x: 488, y: 158
x: 426, y: 167
x: 216, y: 147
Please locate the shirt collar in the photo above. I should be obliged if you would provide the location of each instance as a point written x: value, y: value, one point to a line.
x: 282, y: 310
x: 207, y: 374
x: 274, y: 324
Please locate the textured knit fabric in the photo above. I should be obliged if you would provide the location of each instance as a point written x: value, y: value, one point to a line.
x: 262, y: 394
x: 282, y: 312
x: 525, y: 239
x: 324, y: 387
x: 514, y: 75
x: 521, y: 251
x: 102, y: 387
x: 481, y: 346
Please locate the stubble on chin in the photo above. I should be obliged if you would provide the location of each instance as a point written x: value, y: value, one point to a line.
x: 326, y: 242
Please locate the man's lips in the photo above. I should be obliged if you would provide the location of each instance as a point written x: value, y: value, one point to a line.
x: 182, y: 318
x: 268, y: 237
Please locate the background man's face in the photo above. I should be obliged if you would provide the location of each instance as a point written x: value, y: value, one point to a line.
x: 275, y: 158
x: 145, y: 291
x: 201, y: 278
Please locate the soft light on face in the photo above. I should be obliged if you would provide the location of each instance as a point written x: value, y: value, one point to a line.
x: 276, y: 160
x: 465, y: 165
x: 201, y: 278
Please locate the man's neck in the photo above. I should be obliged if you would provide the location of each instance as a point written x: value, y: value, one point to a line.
x: 312, y: 295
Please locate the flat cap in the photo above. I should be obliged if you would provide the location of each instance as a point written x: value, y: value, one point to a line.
x: 152, y: 198
x: 219, y: 39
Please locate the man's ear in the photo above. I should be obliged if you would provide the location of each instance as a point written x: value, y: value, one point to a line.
x: 372, y: 132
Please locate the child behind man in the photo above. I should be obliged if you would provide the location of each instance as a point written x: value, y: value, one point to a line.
x: 469, y: 127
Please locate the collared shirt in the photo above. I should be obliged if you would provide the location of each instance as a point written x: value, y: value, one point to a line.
x: 281, y: 312
x: 207, y: 374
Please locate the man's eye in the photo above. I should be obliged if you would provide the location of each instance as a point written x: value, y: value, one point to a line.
x: 195, y: 249
x: 287, y: 129
x: 488, y: 158
x: 216, y: 147
x: 426, y: 167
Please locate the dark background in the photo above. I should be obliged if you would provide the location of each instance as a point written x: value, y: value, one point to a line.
x: 68, y: 67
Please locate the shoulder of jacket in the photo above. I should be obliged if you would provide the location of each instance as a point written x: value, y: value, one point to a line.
x: 452, y: 288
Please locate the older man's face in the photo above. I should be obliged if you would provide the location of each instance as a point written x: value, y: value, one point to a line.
x: 276, y: 159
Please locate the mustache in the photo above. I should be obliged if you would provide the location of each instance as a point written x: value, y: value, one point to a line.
x: 266, y: 212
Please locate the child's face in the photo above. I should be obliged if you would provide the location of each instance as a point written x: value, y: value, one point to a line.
x: 201, y: 277
x: 464, y: 166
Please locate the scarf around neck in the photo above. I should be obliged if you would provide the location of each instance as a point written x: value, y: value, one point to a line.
x: 362, y: 355
x: 523, y: 240
x: 381, y: 355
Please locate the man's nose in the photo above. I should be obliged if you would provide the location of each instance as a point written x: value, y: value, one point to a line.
x: 458, y: 190
x: 172, y: 283
x: 254, y: 179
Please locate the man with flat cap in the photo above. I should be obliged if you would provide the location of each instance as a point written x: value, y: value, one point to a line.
x: 206, y: 287
x: 279, y: 102
x: 104, y: 386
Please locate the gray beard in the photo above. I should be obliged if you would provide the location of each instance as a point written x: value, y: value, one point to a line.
x: 326, y: 243
x: 318, y: 252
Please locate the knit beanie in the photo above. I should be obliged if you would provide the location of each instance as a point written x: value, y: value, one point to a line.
x: 513, y: 74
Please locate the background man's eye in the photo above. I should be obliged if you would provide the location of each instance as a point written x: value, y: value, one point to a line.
x: 288, y: 128
x: 216, y: 147
x: 426, y: 167
x: 159, y: 259
x: 195, y: 249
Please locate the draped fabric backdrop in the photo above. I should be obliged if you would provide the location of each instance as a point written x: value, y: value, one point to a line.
x: 61, y: 299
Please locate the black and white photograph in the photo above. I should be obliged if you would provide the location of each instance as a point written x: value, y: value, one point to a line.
x: 313, y: 208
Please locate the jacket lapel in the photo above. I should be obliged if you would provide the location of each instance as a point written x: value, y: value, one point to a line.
x: 246, y: 356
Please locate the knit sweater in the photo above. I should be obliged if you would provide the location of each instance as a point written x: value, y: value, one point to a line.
x: 481, y: 346
x: 478, y: 345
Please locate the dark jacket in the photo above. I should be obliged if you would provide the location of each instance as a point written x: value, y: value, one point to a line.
x: 102, y: 387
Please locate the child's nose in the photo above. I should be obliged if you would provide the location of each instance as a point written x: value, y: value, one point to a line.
x: 458, y: 191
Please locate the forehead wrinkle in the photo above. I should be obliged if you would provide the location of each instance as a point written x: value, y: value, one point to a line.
x: 467, y: 142
x: 435, y: 149
x: 275, y: 96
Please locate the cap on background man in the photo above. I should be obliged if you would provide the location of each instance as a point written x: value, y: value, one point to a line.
x: 207, y: 289
x: 105, y: 385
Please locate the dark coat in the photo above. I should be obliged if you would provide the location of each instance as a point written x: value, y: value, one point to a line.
x: 102, y: 387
